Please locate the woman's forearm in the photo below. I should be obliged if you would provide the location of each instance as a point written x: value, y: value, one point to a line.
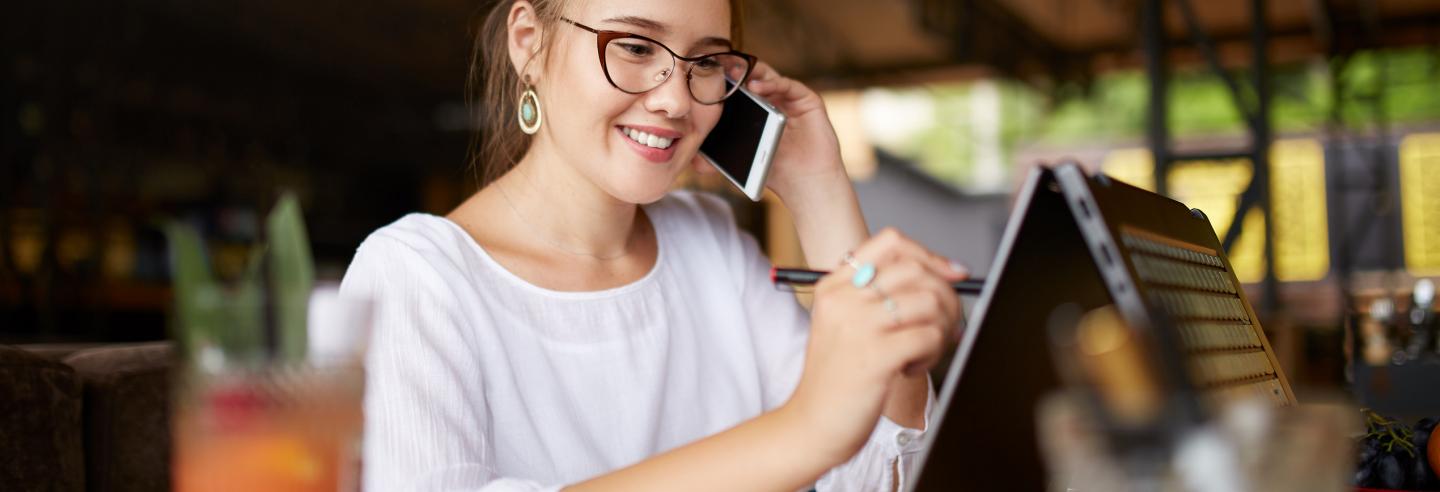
x: 829, y: 222
x: 827, y: 218
x: 774, y: 451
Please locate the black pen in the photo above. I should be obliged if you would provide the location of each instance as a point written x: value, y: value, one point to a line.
x: 798, y: 276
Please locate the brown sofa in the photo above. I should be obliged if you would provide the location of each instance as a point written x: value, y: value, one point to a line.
x: 85, y: 417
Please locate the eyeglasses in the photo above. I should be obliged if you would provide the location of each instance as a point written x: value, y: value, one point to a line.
x: 635, y: 64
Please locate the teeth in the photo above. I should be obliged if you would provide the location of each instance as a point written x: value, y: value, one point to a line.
x: 648, y: 139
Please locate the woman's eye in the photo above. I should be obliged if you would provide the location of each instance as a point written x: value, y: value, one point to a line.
x: 708, y: 64
x: 636, y: 49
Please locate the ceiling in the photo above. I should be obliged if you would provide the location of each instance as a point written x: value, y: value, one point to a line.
x: 424, y: 44
x: 866, y: 41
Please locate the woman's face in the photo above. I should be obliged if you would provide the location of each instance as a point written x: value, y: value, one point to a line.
x: 593, y: 126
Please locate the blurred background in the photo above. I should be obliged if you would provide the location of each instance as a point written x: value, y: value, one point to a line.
x: 1308, y: 130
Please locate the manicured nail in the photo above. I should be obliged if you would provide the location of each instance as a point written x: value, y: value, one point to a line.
x: 959, y: 268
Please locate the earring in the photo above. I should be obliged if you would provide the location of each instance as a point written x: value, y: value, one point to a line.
x: 529, y: 111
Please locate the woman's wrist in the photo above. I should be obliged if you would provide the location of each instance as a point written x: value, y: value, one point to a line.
x: 905, y: 404
x: 827, y: 216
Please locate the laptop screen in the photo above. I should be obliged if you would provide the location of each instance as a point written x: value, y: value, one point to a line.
x: 1088, y: 242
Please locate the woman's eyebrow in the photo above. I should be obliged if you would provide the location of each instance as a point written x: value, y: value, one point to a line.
x: 660, y: 28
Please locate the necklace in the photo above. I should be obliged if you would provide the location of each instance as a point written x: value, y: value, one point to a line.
x: 553, y: 244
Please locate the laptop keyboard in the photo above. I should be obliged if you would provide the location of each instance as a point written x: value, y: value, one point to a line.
x: 1227, y: 357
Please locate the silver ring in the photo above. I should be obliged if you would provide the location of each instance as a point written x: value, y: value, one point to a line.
x: 890, y: 306
x: 893, y: 310
x: 849, y: 259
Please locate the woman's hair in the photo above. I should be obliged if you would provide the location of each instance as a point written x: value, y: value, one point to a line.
x: 492, y: 88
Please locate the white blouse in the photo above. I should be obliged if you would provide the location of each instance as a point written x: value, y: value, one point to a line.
x: 479, y: 380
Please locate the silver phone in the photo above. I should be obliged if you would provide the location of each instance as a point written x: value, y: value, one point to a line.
x: 743, y: 143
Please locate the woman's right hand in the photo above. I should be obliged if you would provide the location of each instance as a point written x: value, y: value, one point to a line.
x: 858, y: 344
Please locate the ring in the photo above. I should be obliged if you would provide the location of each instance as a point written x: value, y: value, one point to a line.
x: 890, y: 306
x: 893, y: 309
x: 864, y: 272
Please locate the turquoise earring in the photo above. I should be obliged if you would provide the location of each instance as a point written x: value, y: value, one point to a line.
x: 529, y: 111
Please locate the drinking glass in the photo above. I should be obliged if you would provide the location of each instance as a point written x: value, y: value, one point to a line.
x: 251, y: 415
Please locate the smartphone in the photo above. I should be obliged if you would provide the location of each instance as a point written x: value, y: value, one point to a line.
x: 743, y: 143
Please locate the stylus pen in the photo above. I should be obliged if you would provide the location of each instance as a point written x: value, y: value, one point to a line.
x: 798, y: 276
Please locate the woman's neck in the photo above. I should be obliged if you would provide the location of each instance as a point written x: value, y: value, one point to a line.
x: 562, y: 210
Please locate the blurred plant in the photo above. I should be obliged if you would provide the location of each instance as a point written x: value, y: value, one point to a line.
x: 258, y: 319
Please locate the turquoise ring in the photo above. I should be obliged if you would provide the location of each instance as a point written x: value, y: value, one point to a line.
x: 864, y: 272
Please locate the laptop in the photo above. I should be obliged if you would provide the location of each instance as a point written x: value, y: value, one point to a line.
x: 1087, y: 241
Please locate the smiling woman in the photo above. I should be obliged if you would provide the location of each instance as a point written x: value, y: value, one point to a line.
x: 500, y: 143
x: 577, y: 324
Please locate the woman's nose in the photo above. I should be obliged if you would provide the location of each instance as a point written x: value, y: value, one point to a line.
x: 672, y: 96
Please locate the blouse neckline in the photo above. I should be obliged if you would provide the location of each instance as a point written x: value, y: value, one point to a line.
x: 661, y: 247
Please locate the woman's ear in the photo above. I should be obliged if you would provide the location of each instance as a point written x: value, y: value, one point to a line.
x: 523, y: 35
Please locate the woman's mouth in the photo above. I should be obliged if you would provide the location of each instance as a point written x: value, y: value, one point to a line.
x: 647, y: 139
x: 652, y: 147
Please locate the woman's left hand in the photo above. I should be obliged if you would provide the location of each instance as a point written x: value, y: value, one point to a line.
x: 809, y: 152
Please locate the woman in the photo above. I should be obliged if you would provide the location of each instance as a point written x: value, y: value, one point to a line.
x: 573, y: 325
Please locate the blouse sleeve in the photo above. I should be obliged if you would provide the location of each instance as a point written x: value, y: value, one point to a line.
x: 781, y: 329
x: 426, y: 421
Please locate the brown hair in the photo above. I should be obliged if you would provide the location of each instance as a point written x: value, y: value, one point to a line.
x: 492, y: 88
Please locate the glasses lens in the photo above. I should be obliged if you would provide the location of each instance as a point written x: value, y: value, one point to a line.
x: 708, y: 77
x: 636, y: 65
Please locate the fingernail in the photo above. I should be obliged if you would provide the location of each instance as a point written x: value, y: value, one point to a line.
x: 958, y: 267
